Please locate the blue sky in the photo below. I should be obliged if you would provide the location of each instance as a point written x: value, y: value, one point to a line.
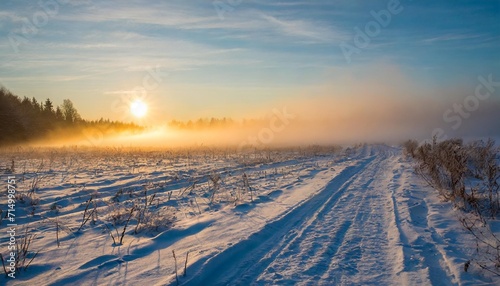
x: 242, y: 58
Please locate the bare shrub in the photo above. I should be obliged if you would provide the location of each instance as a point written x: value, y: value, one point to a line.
x: 90, y: 212
x: 468, y: 176
x: 215, y: 180
x: 483, y: 166
x: 119, y: 217
x: 487, y: 252
x: 444, y: 166
x: 158, y: 220
x: 410, y: 148
x: 246, y: 185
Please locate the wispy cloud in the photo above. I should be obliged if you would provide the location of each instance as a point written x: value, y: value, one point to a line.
x: 302, y: 28
x: 452, y: 37
x: 10, y: 16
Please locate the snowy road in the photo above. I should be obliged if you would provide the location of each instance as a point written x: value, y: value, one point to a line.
x: 350, y: 233
x: 303, y: 244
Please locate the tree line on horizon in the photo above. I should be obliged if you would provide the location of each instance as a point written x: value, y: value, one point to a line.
x: 23, y: 120
x: 216, y: 123
x: 202, y: 123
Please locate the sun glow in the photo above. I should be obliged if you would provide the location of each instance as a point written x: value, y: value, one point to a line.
x: 138, y: 108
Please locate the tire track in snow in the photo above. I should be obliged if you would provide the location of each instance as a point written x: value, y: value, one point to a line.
x: 320, y: 268
x: 362, y: 258
x: 311, y: 251
x: 260, y: 249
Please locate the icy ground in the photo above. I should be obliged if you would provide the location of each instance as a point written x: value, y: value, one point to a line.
x: 358, y: 217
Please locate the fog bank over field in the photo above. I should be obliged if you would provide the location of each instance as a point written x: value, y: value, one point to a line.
x: 378, y: 104
x: 363, y: 121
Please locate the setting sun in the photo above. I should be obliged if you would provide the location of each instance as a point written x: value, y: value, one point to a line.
x: 138, y: 108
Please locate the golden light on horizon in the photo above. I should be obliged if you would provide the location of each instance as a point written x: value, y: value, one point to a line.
x: 139, y: 108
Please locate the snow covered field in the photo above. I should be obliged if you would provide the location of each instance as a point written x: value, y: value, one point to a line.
x: 356, y: 216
